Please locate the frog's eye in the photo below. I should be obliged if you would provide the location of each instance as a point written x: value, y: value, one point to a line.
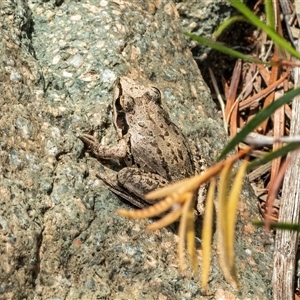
x: 155, y: 94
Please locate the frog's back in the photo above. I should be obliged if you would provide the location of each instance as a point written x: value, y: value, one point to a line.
x: 158, y: 145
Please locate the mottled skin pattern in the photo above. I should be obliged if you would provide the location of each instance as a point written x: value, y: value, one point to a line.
x: 156, y: 144
x: 153, y: 148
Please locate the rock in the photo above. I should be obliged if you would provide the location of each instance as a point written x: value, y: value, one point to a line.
x: 60, y: 236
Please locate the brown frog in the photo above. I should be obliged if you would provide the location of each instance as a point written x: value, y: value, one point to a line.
x: 153, y: 148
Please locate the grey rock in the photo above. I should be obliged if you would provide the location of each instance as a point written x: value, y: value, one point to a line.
x: 60, y: 236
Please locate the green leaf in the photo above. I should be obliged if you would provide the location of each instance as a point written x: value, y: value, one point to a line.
x: 282, y: 226
x: 270, y: 13
x: 273, y: 155
x: 277, y: 39
x: 222, y: 48
x: 227, y: 23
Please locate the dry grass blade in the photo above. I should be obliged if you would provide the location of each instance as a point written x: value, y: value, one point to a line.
x: 218, y: 95
x: 222, y: 219
x: 246, y: 103
x: 193, y: 183
x: 180, y: 198
x: 207, y: 234
x: 270, y: 98
x: 278, y: 131
x: 190, y: 236
x: 264, y: 74
x: 170, y: 218
x: 232, y: 213
x: 273, y: 191
x: 183, y: 227
x: 185, y: 185
x: 279, y: 115
x: 222, y: 208
x: 151, y: 211
x: 231, y: 113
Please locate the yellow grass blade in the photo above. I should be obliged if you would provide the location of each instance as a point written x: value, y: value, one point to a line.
x: 182, y: 229
x: 232, y: 215
x: 207, y: 234
x: 222, y: 205
x: 190, y: 235
x: 233, y: 201
x: 222, y: 213
x: 190, y: 184
x: 180, y: 198
x: 151, y: 211
x: 167, y: 220
x: 179, y: 187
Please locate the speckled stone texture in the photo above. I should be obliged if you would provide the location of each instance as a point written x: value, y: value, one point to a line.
x: 60, y: 237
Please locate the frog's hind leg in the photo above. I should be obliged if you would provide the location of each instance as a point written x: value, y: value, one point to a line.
x: 140, y: 183
x: 121, y: 192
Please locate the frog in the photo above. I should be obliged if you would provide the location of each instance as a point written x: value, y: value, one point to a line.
x: 152, y: 149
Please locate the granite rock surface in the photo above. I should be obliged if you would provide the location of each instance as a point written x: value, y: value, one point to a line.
x: 60, y: 237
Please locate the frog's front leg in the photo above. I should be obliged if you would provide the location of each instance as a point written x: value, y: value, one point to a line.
x: 120, y: 151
